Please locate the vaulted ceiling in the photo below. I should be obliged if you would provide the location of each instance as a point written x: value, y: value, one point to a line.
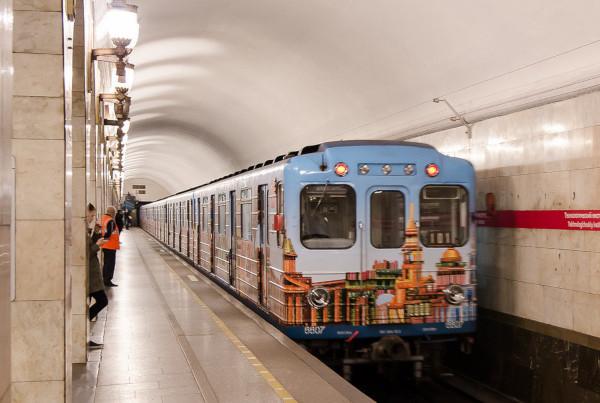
x: 221, y: 85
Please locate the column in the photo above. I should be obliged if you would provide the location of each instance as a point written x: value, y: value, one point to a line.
x: 38, y: 313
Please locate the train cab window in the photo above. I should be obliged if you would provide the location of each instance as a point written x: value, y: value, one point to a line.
x: 444, y: 216
x: 327, y: 216
x: 387, y: 219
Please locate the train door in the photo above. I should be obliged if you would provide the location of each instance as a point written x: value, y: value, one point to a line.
x: 198, y: 229
x: 180, y: 223
x: 263, y: 239
x: 165, y: 223
x: 383, y: 233
x: 212, y: 234
x: 232, y: 237
x: 173, y: 224
x: 188, y: 226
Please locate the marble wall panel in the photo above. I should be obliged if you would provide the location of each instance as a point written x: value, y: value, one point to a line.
x: 38, y: 338
x: 78, y: 104
x: 579, y: 269
x: 78, y: 124
x: 78, y: 80
x: 499, y: 290
x: 79, y: 338
x: 582, y: 145
x: 78, y: 256
x: 37, y: 32
x: 527, y: 266
x: 79, y: 289
x: 38, y: 75
x: 595, y: 273
x: 78, y: 192
x: 38, y: 392
x: 524, y: 237
x: 79, y: 154
x: 583, y: 193
x: 553, y: 269
x: 40, y: 179
x: 589, y: 304
x: 591, y: 241
x: 37, y: 5
x: 558, y: 307
x: 39, y: 263
x: 38, y: 118
x: 79, y: 57
x: 528, y: 300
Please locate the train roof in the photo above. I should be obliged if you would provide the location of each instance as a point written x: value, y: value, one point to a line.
x: 315, y: 148
x: 354, y: 143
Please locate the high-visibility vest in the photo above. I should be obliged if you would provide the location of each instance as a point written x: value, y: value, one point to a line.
x: 113, y: 240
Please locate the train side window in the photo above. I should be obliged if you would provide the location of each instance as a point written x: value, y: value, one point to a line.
x: 387, y: 219
x: 327, y: 216
x: 247, y: 220
x: 444, y: 216
x: 222, y: 218
x: 205, y: 218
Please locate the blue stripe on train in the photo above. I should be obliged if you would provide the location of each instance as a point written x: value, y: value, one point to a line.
x: 377, y: 331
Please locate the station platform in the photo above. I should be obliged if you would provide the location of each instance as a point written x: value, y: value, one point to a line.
x: 170, y: 335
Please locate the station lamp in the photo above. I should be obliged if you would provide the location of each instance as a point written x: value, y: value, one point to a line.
x: 122, y: 24
x: 123, y: 28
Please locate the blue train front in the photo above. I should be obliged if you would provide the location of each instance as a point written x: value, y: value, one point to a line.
x: 347, y: 239
x: 378, y: 240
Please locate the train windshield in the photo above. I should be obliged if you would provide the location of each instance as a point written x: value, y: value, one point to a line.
x: 387, y: 219
x: 444, y: 216
x: 327, y: 216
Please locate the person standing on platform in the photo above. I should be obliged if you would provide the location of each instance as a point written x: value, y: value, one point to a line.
x: 95, y: 284
x: 119, y: 220
x: 110, y: 232
x: 127, y: 218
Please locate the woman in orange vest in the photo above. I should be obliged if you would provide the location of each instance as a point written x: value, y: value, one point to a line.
x: 110, y: 232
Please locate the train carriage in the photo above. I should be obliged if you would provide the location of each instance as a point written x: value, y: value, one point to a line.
x: 357, y: 238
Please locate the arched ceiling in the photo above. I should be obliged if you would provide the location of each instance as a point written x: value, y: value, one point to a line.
x: 221, y: 85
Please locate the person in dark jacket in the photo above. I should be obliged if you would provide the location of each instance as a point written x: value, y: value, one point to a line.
x: 96, y: 283
x: 119, y: 220
x: 127, y: 218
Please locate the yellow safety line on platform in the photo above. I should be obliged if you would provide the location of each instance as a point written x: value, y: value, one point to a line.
x: 258, y: 366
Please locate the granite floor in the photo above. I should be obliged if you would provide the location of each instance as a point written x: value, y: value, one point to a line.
x: 172, y: 336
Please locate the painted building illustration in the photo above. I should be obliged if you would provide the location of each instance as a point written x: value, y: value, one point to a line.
x: 391, y: 292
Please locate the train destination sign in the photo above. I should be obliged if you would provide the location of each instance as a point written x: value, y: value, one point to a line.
x: 579, y: 220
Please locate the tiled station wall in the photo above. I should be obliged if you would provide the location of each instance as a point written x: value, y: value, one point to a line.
x: 546, y: 158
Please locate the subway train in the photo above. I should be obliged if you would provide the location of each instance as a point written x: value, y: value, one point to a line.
x: 341, y: 240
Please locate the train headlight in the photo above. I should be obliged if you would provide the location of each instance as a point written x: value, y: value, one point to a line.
x: 409, y: 169
x: 341, y: 169
x: 386, y: 169
x: 318, y: 297
x: 364, y: 169
x: 432, y: 170
x: 454, y: 294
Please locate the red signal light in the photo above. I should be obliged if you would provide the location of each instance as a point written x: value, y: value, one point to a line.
x: 432, y: 170
x: 341, y: 169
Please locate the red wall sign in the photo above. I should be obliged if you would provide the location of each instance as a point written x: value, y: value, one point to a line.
x: 581, y: 220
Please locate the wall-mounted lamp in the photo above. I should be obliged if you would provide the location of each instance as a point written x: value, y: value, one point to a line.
x: 122, y: 77
x: 123, y: 29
